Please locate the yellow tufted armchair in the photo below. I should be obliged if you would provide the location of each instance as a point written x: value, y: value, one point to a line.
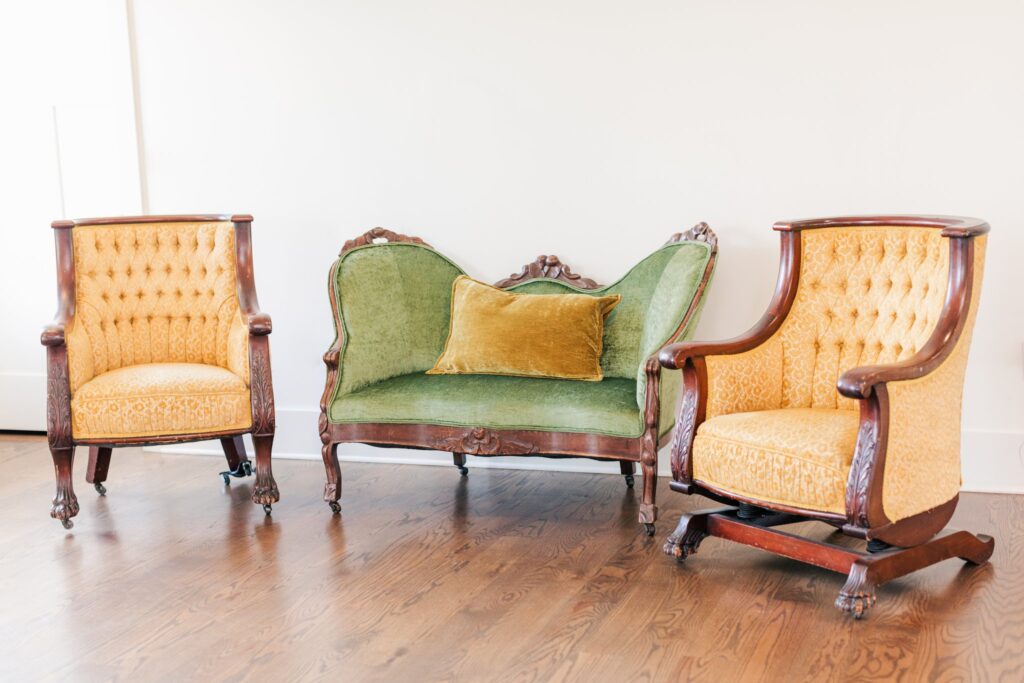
x: 158, y: 339
x: 842, y: 404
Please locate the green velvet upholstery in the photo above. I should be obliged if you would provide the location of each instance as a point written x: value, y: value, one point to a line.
x: 498, y: 402
x: 395, y: 304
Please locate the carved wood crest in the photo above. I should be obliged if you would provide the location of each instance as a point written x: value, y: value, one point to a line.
x: 377, y: 235
x: 481, y: 441
x: 547, y: 267
x: 701, y: 232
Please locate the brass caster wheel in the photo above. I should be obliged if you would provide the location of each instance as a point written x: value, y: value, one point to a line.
x: 67, y: 523
x: 247, y: 468
x: 226, y: 477
x: 335, y: 507
x: 648, y: 528
x: 464, y: 471
x: 630, y: 480
x: 100, y: 488
x: 267, y: 508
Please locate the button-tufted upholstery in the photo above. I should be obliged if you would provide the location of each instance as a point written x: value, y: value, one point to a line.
x: 154, y: 293
x: 866, y: 296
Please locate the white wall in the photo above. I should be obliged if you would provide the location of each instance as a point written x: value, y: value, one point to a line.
x: 67, y: 149
x: 500, y: 130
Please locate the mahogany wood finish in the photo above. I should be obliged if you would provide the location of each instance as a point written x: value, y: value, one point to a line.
x: 436, y: 578
x: 58, y: 389
x: 482, y: 441
x: 865, y: 517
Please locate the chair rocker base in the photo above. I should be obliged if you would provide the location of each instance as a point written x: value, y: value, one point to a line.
x: 865, y: 570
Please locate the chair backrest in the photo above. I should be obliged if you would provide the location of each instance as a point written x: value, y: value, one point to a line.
x: 148, y: 292
x: 866, y: 295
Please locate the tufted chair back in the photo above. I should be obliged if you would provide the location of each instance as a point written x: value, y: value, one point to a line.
x: 866, y: 295
x: 155, y: 292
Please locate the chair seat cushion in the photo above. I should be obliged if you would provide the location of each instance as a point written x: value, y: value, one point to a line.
x: 795, y: 456
x: 497, y: 402
x: 160, y: 399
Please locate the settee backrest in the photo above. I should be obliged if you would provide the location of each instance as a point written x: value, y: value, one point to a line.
x: 394, y: 301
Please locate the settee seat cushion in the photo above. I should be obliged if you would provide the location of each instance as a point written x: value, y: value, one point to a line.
x: 798, y: 457
x: 497, y: 402
x: 160, y: 399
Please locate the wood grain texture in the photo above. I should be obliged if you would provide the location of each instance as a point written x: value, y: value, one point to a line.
x: 504, y: 575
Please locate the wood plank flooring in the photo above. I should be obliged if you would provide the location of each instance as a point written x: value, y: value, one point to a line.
x: 502, y: 576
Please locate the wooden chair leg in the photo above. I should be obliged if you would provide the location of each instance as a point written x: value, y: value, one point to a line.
x: 867, y: 573
x: 265, y: 491
x: 691, y: 530
x: 628, y: 469
x: 332, y: 489
x: 99, y: 465
x: 648, y: 510
x: 65, y: 503
x: 238, y: 462
x: 460, y: 461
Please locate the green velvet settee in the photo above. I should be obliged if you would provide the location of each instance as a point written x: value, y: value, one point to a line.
x: 391, y: 296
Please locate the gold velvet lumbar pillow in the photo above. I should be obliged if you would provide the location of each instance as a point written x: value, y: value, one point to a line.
x: 494, y: 332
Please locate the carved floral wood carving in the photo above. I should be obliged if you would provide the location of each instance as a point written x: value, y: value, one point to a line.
x: 861, y: 473
x: 380, y: 235
x: 58, y: 398
x: 701, y: 232
x: 547, y: 267
x: 261, y: 387
x: 480, y: 441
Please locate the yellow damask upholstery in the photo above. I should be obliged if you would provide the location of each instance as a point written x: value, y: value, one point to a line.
x: 160, y: 399
x: 795, y: 456
x: 866, y: 296
x: 151, y: 295
x: 155, y: 293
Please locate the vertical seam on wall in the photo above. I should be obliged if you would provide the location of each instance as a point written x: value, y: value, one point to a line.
x: 133, y: 62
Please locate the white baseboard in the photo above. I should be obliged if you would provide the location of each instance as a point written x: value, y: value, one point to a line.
x: 23, y: 401
x: 993, y: 462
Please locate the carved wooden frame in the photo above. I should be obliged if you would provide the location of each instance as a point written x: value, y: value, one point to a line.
x: 864, y: 517
x: 482, y: 441
x: 58, y: 403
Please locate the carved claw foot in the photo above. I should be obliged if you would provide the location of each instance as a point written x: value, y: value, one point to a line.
x: 856, y: 605
x: 265, y: 494
x: 64, y: 508
x: 100, y: 488
x: 684, y: 541
x: 630, y: 481
x: 858, y: 593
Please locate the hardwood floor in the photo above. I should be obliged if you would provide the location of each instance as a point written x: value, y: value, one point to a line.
x: 501, y: 576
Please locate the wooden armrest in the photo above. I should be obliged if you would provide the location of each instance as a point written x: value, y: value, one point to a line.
x: 53, y: 334
x: 259, y: 323
x: 675, y: 356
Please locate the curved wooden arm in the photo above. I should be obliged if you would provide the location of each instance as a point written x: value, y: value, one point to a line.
x: 54, y: 332
x: 860, y: 382
x: 258, y: 322
x: 675, y: 356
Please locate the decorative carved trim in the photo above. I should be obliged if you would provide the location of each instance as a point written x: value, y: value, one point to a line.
x: 481, y: 441
x: 701, y: 232
x: 261, y: 388
x: 550, y: 268
x: 380, y: 234
x: 649, y: 440
x: 58, y: 398
x: 861, y: 474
